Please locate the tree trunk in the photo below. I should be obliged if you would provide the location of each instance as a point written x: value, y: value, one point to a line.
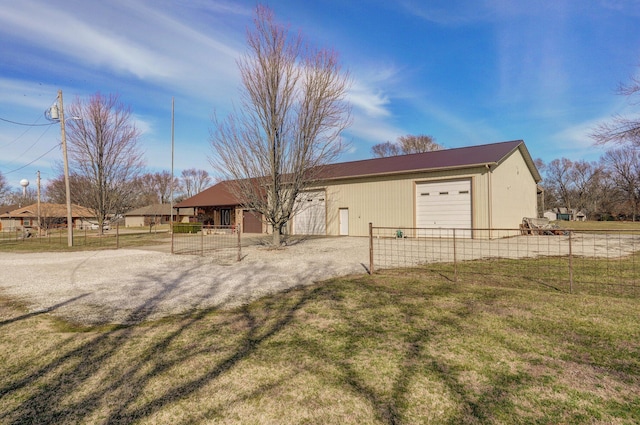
x: 275, y: 239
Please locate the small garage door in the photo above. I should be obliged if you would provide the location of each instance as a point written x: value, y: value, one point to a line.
x: 445, y: 205
x: 311, y: 215
x: 251, y: 222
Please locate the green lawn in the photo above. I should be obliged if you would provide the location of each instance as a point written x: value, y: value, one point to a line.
x: 406, y: 346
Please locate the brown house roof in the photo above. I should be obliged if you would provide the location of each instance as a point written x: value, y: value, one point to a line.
x: 217, y: 195
x: 446, y: 159
x: 49, y: 210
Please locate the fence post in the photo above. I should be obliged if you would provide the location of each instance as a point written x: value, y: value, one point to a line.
x: 117, y: 235
x: 172, y: 233
x: 455, y: 262
x: 239, y: 230
x: 202, y: 241
x: 370, y: 248
x: 570, y: 265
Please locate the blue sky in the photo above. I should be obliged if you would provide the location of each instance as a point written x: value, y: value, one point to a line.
x: 467, y: 72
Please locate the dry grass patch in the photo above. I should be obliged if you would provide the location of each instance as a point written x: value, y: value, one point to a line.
x: 406, y: 346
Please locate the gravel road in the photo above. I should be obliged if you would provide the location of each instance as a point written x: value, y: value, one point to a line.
x: 133, y: 285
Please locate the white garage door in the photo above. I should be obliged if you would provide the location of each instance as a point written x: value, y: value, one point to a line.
x: 444, y: 205
x: 312, y: 214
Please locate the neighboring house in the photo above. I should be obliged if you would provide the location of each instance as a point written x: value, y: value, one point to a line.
x: 569, y: 214
x: 5, y: 209
x: 156, y: 214
x: 51, y: 215
x: 550, y: 215
x: 485, y: 187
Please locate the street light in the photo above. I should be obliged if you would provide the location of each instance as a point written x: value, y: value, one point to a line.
x: 56, y: 113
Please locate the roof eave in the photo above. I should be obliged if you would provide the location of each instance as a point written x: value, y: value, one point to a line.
x: 418, y: 170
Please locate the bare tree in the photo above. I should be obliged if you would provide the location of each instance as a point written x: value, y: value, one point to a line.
x: 406, y: 145
x: 621, y: 129
x: 4, y: 189
x: 293, y: 111
x: 586, y: 180
x: 55, y: 191
x: 558, y: 179
x: 155, y: 188
x: 383, y: 150
x: 624, y: 168
x: 194, y: 181
x: 104, y: 153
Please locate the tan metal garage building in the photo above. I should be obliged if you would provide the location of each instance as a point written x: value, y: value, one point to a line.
x: 486, y: 186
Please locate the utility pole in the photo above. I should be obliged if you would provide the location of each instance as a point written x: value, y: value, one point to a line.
x: 172, y: 131
x: 38, y: 185
x: 65, y: 159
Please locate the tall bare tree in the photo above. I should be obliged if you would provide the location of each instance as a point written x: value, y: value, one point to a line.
x: 292, y: 113
x: 558, y: 178
x: 104, y: 152
x: 622, y: 129
x: 194, y: 181
x: 406, y: 145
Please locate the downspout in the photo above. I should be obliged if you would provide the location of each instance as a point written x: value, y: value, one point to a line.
x: 490, y: 200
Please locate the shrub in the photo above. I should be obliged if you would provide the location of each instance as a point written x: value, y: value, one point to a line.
x: 187, y: 227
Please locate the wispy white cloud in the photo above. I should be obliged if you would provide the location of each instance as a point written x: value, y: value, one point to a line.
x: 129, y: 39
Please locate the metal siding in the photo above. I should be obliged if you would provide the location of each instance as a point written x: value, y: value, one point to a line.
x: 513, y: 192
x: 386, y: 201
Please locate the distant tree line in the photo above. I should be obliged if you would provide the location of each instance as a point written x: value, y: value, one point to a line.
x: 603, y: 190
x: 146, y: 189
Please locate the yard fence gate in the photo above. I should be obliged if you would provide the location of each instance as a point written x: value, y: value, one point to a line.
x: 220, y: 242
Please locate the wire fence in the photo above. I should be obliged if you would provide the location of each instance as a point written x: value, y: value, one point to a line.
x: 219, y: 242
x: 594, y: 260
x: 57, y: 238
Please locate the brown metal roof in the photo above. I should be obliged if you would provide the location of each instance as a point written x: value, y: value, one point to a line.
x: 467, y: 157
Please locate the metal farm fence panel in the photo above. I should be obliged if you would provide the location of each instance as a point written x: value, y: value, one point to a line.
x: 593, y: 260
x: 220, y: 242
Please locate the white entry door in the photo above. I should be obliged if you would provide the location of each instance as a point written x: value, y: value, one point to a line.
x: 344, y: 221
x: 444, y: 205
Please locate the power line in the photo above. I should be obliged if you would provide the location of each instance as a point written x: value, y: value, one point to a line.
x: 26, y: 165
x: 28, y: 125
x: 32, y: 145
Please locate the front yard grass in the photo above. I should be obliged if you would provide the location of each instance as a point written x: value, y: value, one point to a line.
x: 403, y: 346
x: 83, y: 240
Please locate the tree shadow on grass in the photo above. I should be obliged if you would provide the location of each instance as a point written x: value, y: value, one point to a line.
x: 42, y: 311
x: 96, y: 380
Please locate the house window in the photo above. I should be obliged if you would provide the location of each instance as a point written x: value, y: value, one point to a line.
x: 225, y: 217
x: 26, y: 222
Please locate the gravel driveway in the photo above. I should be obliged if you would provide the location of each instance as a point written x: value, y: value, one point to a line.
x: 132, y: 285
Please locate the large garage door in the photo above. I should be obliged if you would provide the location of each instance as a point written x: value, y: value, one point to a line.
x: 444, y: 205
x: 310, y: 218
